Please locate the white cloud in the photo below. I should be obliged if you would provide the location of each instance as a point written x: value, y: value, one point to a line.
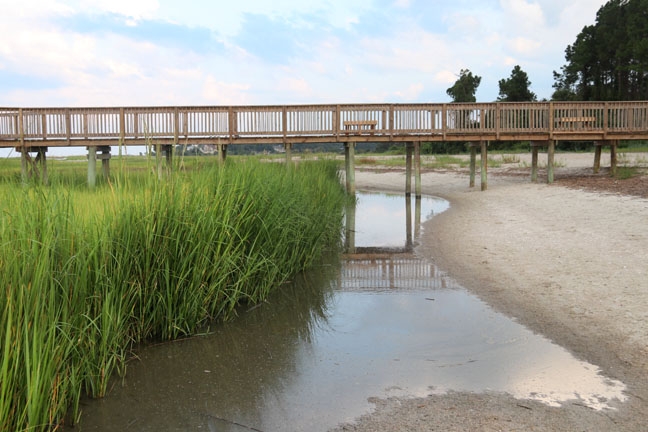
x: 523, y: 45
x: 137, y: 10
x: 411, y: 93
x: 222, y: 93
x: 342, y: 55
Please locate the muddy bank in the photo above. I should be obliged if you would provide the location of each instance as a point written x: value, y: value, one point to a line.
x: 570, y: 264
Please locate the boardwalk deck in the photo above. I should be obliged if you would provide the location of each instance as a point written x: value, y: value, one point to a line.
x: 298, y: 124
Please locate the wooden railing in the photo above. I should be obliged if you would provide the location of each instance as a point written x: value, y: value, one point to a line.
x: 324, y: 123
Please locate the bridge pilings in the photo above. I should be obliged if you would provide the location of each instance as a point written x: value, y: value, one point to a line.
x: 598, y: 148
x: 409, y: 149
x: 483, y: 145
x: 349, y: 163
x: 222, y: 152
x: 288, y: 148
x: 415, y: 149
x: 33, y: 167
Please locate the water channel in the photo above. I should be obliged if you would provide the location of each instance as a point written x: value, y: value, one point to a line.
x: 380, y: 322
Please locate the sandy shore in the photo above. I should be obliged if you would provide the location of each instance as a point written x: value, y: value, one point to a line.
x: 569, y: 264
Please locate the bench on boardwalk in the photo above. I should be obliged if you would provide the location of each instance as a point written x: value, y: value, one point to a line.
x: 577, y: 122
x: 361, y: 125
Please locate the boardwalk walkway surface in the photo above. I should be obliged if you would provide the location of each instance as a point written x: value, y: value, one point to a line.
x: 538, y: 121
x: 30, y: 130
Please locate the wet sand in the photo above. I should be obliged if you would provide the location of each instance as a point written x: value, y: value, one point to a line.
x: 569, y: 264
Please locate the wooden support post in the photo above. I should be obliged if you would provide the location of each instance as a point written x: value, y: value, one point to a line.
x: 409, y: 243
x: 92, y: 167
x: 158, y: 161
x: 473, y: 163
x: 484, y: 165
x: 417, y: 169
x: 417, y: 218
x: 105, y: 161
x: 350, y: 227
x: 33, y: 168
x: 534, y: 162
x: 288, y: 147
x: 598, y: 147
x: 550, y: 161
x: 168, y: 153
x: 24, y: 164
x: 222, y: 152
x: 40, y: 166
x: 409, y: 147
x: 613, y: 157
x: 349, y: 161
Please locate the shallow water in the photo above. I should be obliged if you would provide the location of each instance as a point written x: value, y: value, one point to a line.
x: 379, y: 323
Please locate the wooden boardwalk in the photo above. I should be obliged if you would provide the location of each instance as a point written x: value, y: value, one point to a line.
x: 298, y: 124
x: 34, y: 130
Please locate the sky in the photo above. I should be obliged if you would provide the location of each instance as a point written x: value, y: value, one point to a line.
x: 78, y: 53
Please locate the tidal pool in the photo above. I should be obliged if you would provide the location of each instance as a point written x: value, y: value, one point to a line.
x: 379, y: 322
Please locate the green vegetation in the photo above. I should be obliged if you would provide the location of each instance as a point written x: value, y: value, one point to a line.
x: 465, y: 88
x: 516, y: 87
x: 87, y: 275
x: 608, y: 60
x: 624, y: 173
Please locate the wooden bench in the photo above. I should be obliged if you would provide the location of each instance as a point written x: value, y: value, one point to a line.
x: 361, y: 125
x: 572, y: 122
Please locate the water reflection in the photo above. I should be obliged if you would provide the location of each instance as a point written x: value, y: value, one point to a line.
x: 385, y: 223
x: 372, y: 324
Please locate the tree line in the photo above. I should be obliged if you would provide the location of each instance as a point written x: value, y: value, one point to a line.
x: 608, y: 61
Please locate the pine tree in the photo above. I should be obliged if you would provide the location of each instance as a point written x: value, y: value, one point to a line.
x: 465, y: 88
x: 516, y: 88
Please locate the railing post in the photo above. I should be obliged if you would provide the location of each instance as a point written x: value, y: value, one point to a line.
x: 606, y: 119
x: 68, y: 126
x: 44, y: 126
x: 337, y: 120
x: 21, y: 128
x: 122, y: 126
x: 135, y: 124
x: 284, y: 123
x: 176, y: 126
x: 444, y: 120
x: 85, y: 125
x: 551, y: 120
x: 498, y: 118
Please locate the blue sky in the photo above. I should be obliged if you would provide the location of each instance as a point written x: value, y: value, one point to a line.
x: 212, y: 52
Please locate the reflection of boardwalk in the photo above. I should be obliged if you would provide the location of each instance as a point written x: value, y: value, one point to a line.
x: 391, y: 271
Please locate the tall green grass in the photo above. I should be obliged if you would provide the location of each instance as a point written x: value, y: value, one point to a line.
x: 88, y: 275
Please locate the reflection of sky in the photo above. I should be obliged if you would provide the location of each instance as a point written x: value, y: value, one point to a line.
x: 380, y: 218
x: 403, y: 344
x: 394, y: 327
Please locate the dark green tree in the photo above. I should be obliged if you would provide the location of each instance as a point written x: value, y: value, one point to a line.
x: 608, y: 60
x: 516, y: 88
x: 465, y: 88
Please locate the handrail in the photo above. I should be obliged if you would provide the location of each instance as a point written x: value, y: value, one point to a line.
x: 282, y: 123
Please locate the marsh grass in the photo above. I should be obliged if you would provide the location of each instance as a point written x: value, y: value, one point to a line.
x: 626, y: 172
x: 88, y: 275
